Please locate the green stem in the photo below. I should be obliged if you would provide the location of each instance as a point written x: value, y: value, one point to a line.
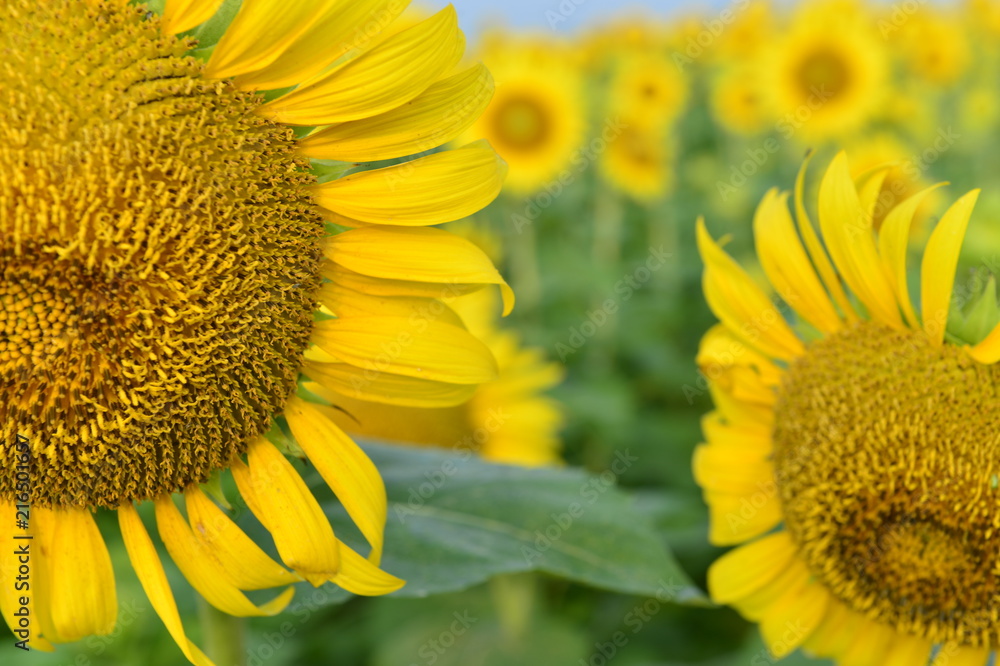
x: 514, y: 601
x: 224, y: 635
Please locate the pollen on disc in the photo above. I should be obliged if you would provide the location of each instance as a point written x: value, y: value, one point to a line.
x: 158, y: 257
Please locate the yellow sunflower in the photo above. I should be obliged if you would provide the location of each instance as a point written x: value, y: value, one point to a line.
x: 637, y: 162
x: 826, y: 76
x: 536, y: 119
x: 647, y: 88
x: 508, y: 420
x: 162, y: 251
x: 856, y: 461
x: 934, y: 46
x: 737, y: 101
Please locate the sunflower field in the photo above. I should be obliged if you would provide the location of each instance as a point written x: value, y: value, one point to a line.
x: 332, y: 334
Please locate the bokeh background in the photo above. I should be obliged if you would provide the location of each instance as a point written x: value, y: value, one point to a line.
x: 621, y: 125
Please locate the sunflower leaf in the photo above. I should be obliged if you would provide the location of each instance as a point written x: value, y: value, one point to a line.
x: 456, y: 521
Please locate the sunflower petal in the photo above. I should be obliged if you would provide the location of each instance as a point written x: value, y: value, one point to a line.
x: 278, y: 496
x: 848, y: 232
x: 10, y: 544
x: 893, y: 240
x: 744, y: 570
x: 735, y: 518
x: 741, y: 305
x: 937, y: 272
x: 203, y: 572
x: 435, y: 117
x: 83, y: 600
x: 242, y: 561
x: 344, y: 26
x: 350, y: 474
x: 787, y: 625
x: 260, y: 33
x: 183, y: 15
x: 424, y: 349
x: 418, y: 254
x: 386, y: 388
x: 987, y: 351
x: 359, y: 576
x: 346, y: 302
x: 952, y: 654
x: 908, y: 650
x: 149, y: 570
x: 384, y: 78
x: 439, y: 188
x: 787, y: 266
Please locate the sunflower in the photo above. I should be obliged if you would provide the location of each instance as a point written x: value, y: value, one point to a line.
x: 934, y: 46
x: 536, y: 119
x: 162, y: 251
x: 856, y: 461
x: 737, y: 101
x: 648, y: 88
x: 637, y: 161
x: 825, y: 77
x: 508, y: 420
x: 902, y: 176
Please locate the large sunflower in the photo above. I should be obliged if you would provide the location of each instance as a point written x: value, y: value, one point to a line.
x: 162, y: 251
x: 859, y: 457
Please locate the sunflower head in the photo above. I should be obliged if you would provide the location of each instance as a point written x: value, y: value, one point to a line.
x: 854, y: 443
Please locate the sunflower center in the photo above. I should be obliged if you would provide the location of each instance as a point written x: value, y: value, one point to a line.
x: 158, y: 257
x: 823, y: 74
x: 521, y: 123
x: 887, y: 453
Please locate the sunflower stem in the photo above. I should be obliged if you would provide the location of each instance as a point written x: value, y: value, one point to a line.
x: 225, y: 635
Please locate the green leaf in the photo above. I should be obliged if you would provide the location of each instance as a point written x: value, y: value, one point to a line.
x: 456, y: 521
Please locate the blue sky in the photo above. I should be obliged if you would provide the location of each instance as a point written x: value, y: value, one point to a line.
x: 531, y: 14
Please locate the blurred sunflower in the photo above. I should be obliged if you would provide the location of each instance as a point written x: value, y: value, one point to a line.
x: 826, y: 76
x: 901, y: 177
x: 737, y: 102
x: 536, y: 119
x: 933, y: 45
x: 162, y: 244
x: 507, y: 420
x: 860, y: 458
x: 647, y: 88
x: 637, y: 162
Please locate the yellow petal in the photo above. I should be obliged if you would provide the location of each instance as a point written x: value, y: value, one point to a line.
x: 279, y: 498
x: 731, y: 469
x: 183, y: 15
x: 869, y: 187
x: 149, y: 570
x: 439, y: 188
x: 344, y: 466
x: 789, y: 623
x: 789, y: 583
x: 787, y: 265
x: 741, y: 413
x: 847, y: 230
x: 389, y: 75
x: 343, y: 27
x: 834, y: 633
x: 386, y: 388
x: 359, y: 576
x: 203, y: 572
x: 735, y: 518
x: 83, y: 599
x: 12, y: 543
x: 346, y: 302
x: 419, y: 254
x: 435, y: 117
x: 815, y: 247
x: 937, y: 272
x: 717, y: 431
x: 243, y: 563
x: 741, y: 305
x: 736, y: 368
x: 893, y: 241
x: 907, y: 651
x: 987, y: 351
x: 378, y: 286
x: 744, y: 570
x: 869, y: 645
x: 396, y: 345
x: 260, y: 33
